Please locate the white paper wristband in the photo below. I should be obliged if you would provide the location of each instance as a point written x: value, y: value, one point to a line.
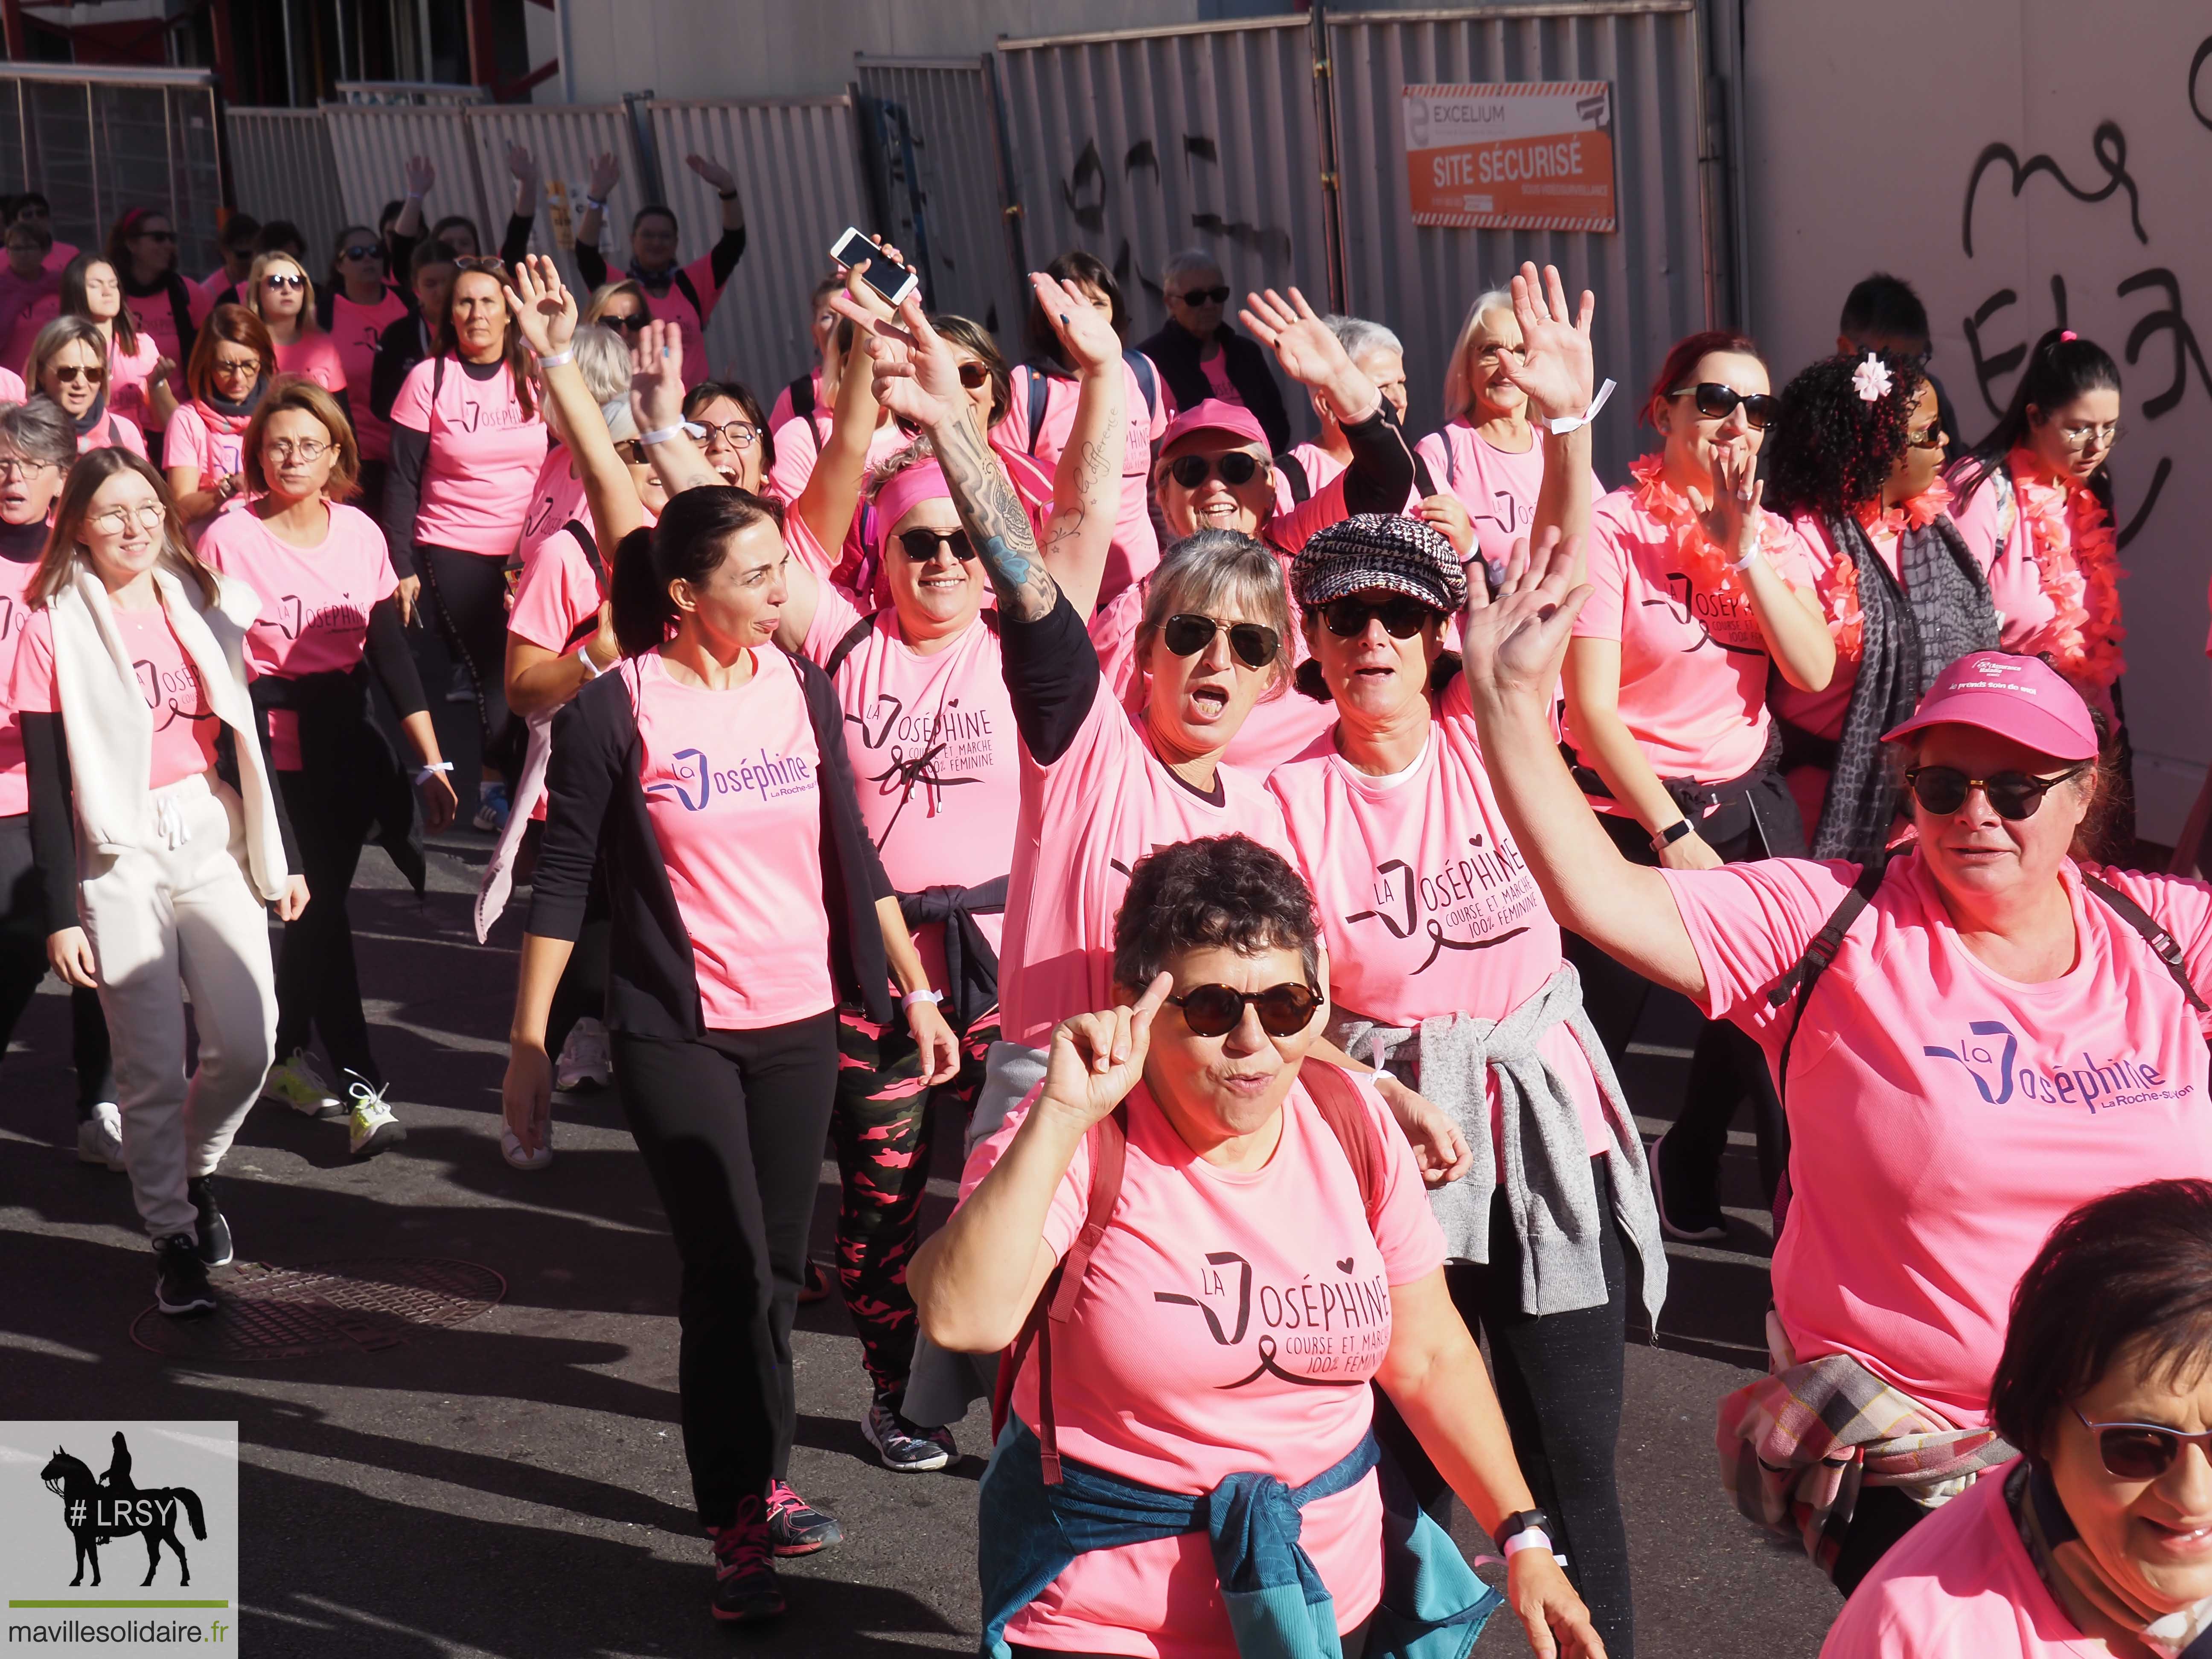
x: 1529, y: 1538
x: 429, y: 769
x: 1566, y: 424
x: 923, y: 995
x: 555, y: 359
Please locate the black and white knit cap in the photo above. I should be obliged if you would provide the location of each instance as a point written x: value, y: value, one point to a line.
x: 1385, y: 551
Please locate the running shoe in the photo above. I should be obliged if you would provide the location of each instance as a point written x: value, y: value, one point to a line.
x: 99, y: 1137
x: 795, y: 1526
x: 297, y: 1083
x: 214, y: 1231
x: 905, y: 1447
x: 180, y: 1282
x: 371, y: 1126
x: 745, y: 1586
x: 586, y: 1060
x: 1685, y: 1212
x: 492, y: 808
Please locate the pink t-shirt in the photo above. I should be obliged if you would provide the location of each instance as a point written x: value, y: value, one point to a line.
x: 733, y: 788
x: 782, y: 410
x: 1426, y: 905
x: 128, y: 374
x: 1219, y: 384
x: 799, y: 446
x: 1942, y: 1117
x: 1960, y: 1583
x: 111, y: 431
x: 12, y: 390
x: 197, y: 436
x: 934, y: 753
x: 1497, y: 487
x: 1231, y: 1322
x: 1085, y: 820
x: 217, y: 289
x: 28, y: 307
x: 14, y: 616
x: 556, y: 497
x: 316, y: 357
x: 558, y: 592
x: 356, y: 328
x: 184, y: 726
x: 690, y: 320
x: 1136, y: 547
x: 1997, y: 535
x: 1694, y: 665
x: 484, y: 455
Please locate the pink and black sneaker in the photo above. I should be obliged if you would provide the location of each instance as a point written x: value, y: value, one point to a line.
x: 795, y: 1526
x: 745, y: 1586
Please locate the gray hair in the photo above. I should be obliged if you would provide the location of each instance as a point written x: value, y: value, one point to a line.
x: 1359, y: 338
x: 1459, y: 379
x: 1209, y: 566
x: 1182, y: 264
x: 38, y: 431
x: 603, y: 359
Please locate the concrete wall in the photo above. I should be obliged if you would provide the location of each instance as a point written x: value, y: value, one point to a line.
x: 1868, y: 126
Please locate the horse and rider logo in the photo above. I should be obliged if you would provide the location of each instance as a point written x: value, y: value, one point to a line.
x: 98, y: 1510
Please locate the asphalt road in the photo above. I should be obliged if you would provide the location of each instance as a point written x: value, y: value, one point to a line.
x: 515, y: 1486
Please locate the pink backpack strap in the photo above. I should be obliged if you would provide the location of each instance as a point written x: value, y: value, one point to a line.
x: 1336, y: 1097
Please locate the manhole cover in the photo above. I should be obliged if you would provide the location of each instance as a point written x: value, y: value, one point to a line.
x: 326, y: 1307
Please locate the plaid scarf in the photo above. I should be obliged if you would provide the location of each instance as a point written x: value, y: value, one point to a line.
x: 1912, y: 629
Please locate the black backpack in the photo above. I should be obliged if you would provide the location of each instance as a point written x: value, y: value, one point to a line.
x: 1040, y: 394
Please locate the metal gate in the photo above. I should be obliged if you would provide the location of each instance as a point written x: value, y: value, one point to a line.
x: 940, y: 174
x: 372, y: 144
x: 281, y: 167
x: 563, y: 139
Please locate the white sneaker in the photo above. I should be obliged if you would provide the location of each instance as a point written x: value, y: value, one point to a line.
x: 372, y: 1126
x: 585, y: 1057
x: 297, y: 1083
x: 511, y: 1148
x: 99, y: 1137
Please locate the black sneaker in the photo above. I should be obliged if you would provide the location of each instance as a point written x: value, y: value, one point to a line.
x: 1687, y: 1207
x: 745, y: 1586
x: 181, y: 1285
x: 905, y: 1447
x: 795, y: 1526
x: 214, y: 1231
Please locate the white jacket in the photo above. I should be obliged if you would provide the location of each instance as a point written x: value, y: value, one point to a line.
x: 110, y: 730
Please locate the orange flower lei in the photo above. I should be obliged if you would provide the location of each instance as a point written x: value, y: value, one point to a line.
x: 1704, y: 562
x: 1839, y: 594
x: 2077, y: 560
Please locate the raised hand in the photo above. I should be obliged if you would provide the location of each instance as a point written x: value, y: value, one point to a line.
x: 1734, y: 519
x: 1311, y: 354
x: 1511, y: 645
x: 1096, y: 1059
x: 713, y: 171
x: 1554, y: 367
x: 521, y: 164
x: 916, y: 374
x: 656, y: 377
x: 1084, y: 332
x: 421, y: 174
x: 607, y: 174
x: 544, y: 311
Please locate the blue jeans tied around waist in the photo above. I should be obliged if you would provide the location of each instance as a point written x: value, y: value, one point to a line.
x: 1433, y: 1606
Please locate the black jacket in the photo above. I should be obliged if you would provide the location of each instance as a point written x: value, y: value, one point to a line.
x: 595, y: 810
x: 1174, y: 349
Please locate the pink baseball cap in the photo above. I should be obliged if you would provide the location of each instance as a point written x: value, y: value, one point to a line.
x: 1214, y: 415
x: 2022, y: 698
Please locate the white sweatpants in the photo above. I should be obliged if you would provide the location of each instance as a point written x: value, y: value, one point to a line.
x: 175, y: 910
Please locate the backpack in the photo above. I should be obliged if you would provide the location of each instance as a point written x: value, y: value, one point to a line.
x: 1040, y: 393
x: 584, y: 630
x: 1333, y: 1095
x: 801, y: 393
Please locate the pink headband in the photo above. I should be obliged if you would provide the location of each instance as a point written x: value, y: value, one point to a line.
x: 921, y: 481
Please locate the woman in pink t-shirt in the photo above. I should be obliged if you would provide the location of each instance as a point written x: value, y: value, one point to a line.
x: 1218, y: 1310
x: 329, y: 617
x: 2098, y: 1540
x: 685, y: 296
x: 140, y: 741
x: 234, y: 360
x: 282, y: 295
x: 467, y: 445
x: 354, y: 309
x: 69, y: 364
x: 1994, y: 1039
x: 138, y: 376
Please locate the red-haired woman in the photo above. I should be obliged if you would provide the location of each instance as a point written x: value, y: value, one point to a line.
x: 1697, y: 594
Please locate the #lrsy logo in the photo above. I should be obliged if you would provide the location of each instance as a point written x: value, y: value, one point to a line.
x: 78, y: 1503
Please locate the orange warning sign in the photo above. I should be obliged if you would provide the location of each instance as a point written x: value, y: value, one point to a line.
x: 1518, y: 156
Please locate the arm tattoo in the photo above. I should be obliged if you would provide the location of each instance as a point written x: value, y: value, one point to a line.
x: 1068, y: 521
x: 992, y: 514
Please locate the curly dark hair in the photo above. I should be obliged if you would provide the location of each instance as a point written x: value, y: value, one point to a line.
x: 1830, y: 450
x: 1224, y: 890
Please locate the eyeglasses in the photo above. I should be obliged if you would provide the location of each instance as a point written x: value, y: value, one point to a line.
x: 1187, y: 634
x: 1932, y: 438
x: 305, y: 449
x: 922, y: 543
x: 1716, y: 402
x: 283, y: 283
x: 738, y: 434
x: 70, y: 373
x: 360, y: 250
x: 2092, y: 437
x: 1402, y: 617
x: 15, y: 466
x: 1206, y: 296
x: 1237, y: 469
x: 2015, y: 795
x: 230, y: 367
x: 1212, y: 1010
x: 974, y: 376
x: 117, y: 520
x: 2135, y: 1451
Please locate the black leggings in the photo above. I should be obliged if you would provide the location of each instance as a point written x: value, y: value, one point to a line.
x: 23, y: 967
x: 467, y: 594
x: 732, y: 1129
x: 1559, y: 1385
x: 317, y: 981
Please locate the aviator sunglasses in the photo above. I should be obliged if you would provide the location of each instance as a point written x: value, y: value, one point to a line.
x: 1402, y: 617
x: 2130, y: 1451
x: 1212, y: 1010
x: 1187, y: 634
x: 2015, y: 795
x: 1716, y: 402
x: 1236, y: 468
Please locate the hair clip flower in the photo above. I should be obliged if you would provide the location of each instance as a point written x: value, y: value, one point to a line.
x: 2068, y: 335
x: 1870, y: 380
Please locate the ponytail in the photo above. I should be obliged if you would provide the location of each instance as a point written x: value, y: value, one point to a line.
x: 688, y: 544
x: 643, y: 611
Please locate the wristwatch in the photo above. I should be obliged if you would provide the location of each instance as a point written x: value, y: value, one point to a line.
x: 1523, y: 1520
x: 1672, y: 833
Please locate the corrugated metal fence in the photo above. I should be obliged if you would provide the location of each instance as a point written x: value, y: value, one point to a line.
x: 564, y: 140
x: 373, y: 144
x: 281, y: 167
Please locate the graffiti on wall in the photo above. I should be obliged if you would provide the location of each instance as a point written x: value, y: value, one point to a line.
x: 1088, y: 194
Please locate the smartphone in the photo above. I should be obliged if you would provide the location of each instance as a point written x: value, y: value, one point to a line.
x: 884, y: 274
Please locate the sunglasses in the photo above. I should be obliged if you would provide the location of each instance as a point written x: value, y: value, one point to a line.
x: 480, y: 262
x: 360, y: 250
x: 974, y: 376
x: 1716, y: 402
x: 70, y: 373
x: 1402, y: 617
x: 1187, y: 634
x: 1207, y: 296
x: 2132, y: 1451
x: 636, y: 323
x: 282, y: 283
x: 922, y: 543
x: 1237, y: 469
x: 1212, y: 1010
x: 1933, y: 438
x: 2015, y: 795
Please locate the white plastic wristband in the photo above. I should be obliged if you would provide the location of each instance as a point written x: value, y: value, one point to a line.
x: 922, y: 995
x: 592, y: 670
x: 661, y: 434
x: 1529, y: 1538
x: 555, y: 359
x: 1747, y: 560
x: 429, y: 768
x: 596, y: 205
x: 1566, y: 424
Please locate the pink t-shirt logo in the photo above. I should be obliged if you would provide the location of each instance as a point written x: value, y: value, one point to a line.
x: 12, y: 618
x: 2100, y: 1086
x: 295, y: 616
x: 1713, y: 615
x: 1486, y: 887
x: 1325, y: 1324
x: 698, y: 781
x: 171, y: 690
x: 923, y: 751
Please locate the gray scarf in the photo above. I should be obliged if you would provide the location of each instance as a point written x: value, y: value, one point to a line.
x: 1911, y: 633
